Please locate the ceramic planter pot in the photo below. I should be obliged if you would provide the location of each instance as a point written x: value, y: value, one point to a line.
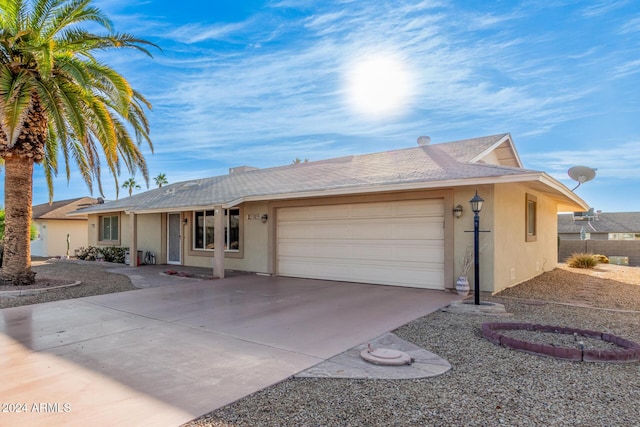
x: 462, y: 286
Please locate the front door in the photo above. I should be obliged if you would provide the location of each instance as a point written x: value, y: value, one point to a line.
x: 174, y: 239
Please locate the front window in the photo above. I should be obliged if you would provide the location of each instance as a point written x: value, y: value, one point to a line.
x: 109, y: 228
x: 204, y: 229
x: 531, y: 218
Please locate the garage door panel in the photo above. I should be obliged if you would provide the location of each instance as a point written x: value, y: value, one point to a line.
x: 413, y: 275
x: 393, y: 243
x: 431, y: 208
x: 329, y: 212
x: 418, y: 231
x: 379, y: 210
x: 374, y: 229
x: 379, y: 250
x: 294, y: 214
x: 433, y: 253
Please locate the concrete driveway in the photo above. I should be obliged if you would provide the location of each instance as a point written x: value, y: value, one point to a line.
x: 165, y: 355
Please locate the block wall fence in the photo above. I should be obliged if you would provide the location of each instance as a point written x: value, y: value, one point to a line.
x: 628, y: 248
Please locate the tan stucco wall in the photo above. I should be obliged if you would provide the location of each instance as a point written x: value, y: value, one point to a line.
x: 149, y: 233
x: 53, y: 233
x: 92, y: 230
x: 463, y: 233
x: 517, y: 260
x: 256, y: 240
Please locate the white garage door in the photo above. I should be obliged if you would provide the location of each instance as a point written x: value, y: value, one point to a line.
x: 387, y: 243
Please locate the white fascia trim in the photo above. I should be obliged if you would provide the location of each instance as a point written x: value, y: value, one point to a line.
x: 507, y: 137
x: 172, y: 209
x: 226, y: 205
x: 525, y: 177
x: 98, y: 211
x: 564, y: 190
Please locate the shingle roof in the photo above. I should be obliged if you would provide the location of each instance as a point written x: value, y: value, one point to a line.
x: 421, y: 164
x: 465, y: 150
x: 60, y: 209
x: 609, y: 222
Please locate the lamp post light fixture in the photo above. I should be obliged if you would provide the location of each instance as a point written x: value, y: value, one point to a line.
x: 476, y: 207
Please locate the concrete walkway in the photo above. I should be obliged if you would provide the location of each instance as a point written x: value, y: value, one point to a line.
x: 161, y: 356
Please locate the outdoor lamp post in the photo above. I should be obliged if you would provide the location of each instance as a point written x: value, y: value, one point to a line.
x: 476, y: 207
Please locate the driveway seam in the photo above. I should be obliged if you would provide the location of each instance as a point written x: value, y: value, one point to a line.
x: 208, y: 331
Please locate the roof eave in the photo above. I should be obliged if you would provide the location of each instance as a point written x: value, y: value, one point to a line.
x: 566, y: 198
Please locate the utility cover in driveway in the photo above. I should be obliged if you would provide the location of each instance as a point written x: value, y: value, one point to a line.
x: 389, y: 243
x: 165, y: 355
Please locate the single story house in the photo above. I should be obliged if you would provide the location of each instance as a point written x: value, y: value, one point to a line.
x: 399, y: 217
x: 55, y: 227
x: 597, y: 225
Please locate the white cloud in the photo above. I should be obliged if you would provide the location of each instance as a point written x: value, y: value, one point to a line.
x: 194, y: 33
x: 631, y: 26
x: 616, y: 161
x: 627, y: 68
x: 602, y: 7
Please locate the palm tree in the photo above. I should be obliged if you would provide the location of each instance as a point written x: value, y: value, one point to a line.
x: 160, y: 180
x: 56, y: 97
x: 130, y: 184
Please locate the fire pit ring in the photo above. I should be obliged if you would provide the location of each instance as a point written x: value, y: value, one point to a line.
x: 629, y: 351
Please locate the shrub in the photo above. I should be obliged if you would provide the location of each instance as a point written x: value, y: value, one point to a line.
x: 582, y: 260
x: 114, y: 254
x: 602, y: 259
x: 88, y: 254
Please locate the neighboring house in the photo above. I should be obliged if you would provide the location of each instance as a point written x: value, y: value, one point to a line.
x: 614, y: 234
x: 385, y: 218
x: 599, y: 226
x: 54, y: 225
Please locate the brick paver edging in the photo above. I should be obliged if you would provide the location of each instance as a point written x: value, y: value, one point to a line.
x: 629, y: 352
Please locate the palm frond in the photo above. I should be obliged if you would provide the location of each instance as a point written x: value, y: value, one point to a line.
x: 15, y: 100
x: 74, y: 12
x: 42, y: 11
x: 48, y: 93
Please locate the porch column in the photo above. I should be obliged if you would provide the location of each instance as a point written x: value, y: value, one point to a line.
x: 133, y: 243
x: 218, y: 239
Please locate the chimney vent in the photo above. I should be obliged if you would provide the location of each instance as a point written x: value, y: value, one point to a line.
x: 424, y: 140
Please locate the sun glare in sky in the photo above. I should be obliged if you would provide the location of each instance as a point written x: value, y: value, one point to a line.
x: 378, y: 86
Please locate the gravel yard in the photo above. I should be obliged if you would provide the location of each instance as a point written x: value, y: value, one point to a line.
x: 488, y: 385
x: 94, y: 278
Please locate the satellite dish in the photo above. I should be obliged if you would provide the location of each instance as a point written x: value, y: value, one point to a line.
x: 424, y: 140
x: 581, y: 174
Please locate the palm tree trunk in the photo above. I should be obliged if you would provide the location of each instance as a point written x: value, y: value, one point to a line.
x: 18, y: 196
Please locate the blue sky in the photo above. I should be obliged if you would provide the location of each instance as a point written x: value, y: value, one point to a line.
x: 262, y: 82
